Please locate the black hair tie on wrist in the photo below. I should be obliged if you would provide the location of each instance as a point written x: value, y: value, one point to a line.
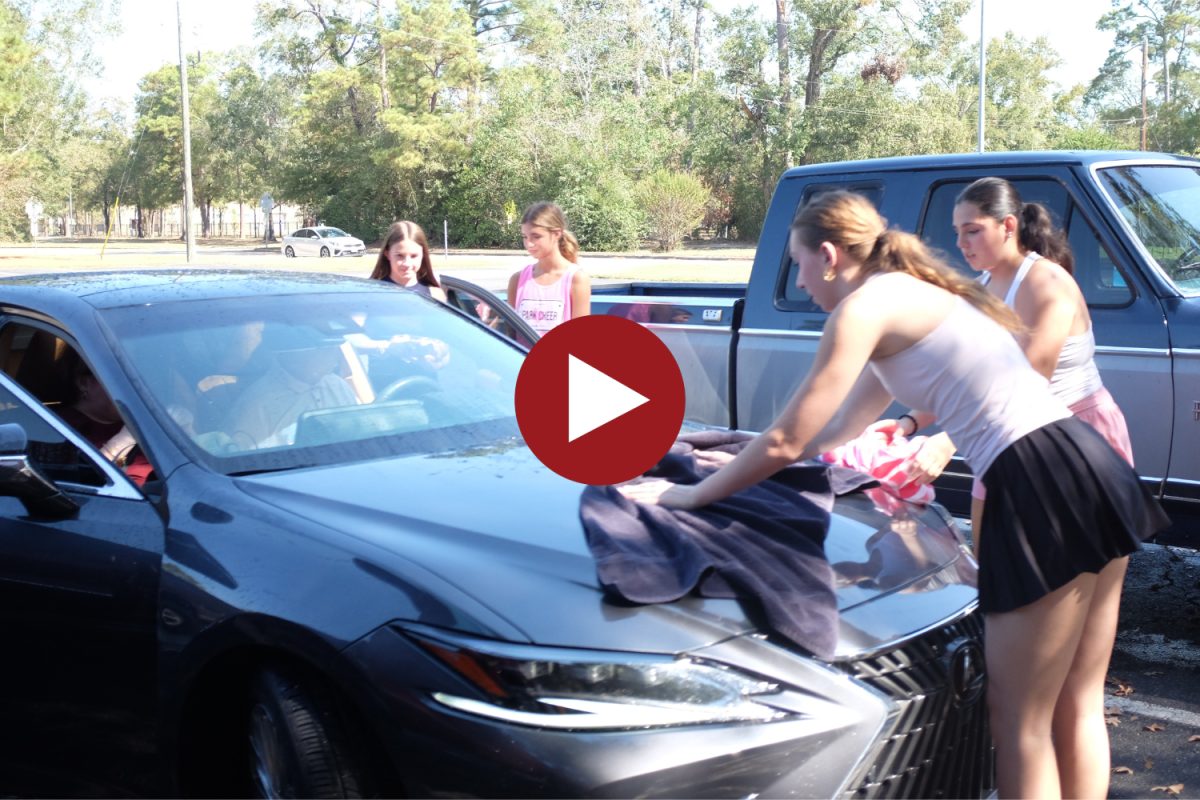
x: 916, y: 425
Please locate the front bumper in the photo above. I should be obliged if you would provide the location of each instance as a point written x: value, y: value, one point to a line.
x: 893, y: 730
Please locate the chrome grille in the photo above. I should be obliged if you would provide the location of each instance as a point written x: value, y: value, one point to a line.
x: 938, y: 745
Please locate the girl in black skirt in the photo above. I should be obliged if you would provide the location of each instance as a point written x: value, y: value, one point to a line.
x: 1063, y: 509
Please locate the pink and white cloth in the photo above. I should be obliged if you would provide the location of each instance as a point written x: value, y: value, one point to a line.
x: 886, y: 455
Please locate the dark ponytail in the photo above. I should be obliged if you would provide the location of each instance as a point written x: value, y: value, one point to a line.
x: 1037, y: 233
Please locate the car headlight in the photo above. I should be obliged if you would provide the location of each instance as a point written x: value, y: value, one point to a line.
x: 571, y: 689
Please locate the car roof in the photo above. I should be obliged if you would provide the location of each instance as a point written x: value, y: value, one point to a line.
x: 997, y: 159
x: 141, y: 287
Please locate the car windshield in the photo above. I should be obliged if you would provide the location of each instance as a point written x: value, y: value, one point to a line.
x: 1161, y: 204
x: 330, y: 233
x: 275, y: 382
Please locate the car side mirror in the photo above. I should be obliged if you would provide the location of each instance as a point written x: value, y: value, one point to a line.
x: 13, y: 439
x: 20, y: 478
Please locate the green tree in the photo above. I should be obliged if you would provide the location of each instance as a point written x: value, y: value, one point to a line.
x: 673, y: 203
x: 45, y: 49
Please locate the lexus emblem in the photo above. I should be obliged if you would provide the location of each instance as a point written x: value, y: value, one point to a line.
x: 966, y: 669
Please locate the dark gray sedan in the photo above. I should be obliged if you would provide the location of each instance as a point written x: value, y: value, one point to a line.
x: 339, y: 572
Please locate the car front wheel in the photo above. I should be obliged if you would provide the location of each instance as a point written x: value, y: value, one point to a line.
x: 299, y: 741
x: 289, y: 252
x: 324, y: 252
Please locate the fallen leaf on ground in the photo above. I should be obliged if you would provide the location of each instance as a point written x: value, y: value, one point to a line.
x: 1149, y: 765
x: 1154, y: 727
x: 1123, y: 690
x: 1122, y: 771
x: 1154, y: 673
x: 1194, y: 738
x: 1175, y: 789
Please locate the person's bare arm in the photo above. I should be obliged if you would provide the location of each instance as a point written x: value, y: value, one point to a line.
x: 581, y: 295
x: 806, y: 426
x: 511, y: 297
x: 1047, y: 305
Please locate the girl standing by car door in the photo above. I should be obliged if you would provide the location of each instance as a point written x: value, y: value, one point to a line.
x: 553, y: 289
x: 404, y: 260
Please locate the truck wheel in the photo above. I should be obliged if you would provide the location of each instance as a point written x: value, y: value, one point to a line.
x: 324, y: 252
x: 299, y: 742
x: 289, y: 252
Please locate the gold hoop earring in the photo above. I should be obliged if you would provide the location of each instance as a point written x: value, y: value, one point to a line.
x: 829, y: 275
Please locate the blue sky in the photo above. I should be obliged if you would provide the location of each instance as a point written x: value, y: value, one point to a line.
x: 150, y: 34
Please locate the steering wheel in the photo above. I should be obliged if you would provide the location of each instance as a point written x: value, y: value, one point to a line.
x: 413, y: 385
x: 1189, y: 259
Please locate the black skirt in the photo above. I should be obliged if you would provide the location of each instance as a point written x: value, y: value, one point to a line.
x: 1060, y: 502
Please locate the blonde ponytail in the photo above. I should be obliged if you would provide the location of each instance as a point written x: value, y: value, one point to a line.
x: 849, y: 221
x: 897, y: 251
x: 568, y: 245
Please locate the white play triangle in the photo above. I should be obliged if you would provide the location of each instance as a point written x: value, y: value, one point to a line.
x: 594, y: 399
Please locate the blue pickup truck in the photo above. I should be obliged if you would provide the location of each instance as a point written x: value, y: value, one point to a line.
x: 1133, y: 221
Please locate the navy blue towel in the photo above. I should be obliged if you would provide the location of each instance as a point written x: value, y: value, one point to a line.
x: 764, y: 545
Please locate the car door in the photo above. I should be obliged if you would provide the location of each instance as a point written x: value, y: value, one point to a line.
x: 309, y: 242
x: 478, y: 303
x: 78, y: 611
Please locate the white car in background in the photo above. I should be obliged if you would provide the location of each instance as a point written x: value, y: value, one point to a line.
x: 323, y: 241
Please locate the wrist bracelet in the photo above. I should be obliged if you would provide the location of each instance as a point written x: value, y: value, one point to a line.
x: 916, y: 425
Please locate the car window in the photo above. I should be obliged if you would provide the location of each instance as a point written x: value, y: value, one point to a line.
x: 1161, y: 205
x: 491, y: 311
x: 278, y: 382
x: 330, y: 233
x: 1099, y: 278
x: 52, y: 371
x: 59, y: 458
x: 788, y: 296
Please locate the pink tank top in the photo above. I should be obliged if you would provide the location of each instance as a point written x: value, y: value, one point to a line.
x: 544, y: 307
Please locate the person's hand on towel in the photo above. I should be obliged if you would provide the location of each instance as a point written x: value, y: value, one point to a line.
x: 926, y: 465
x: 931, y: 459
x: 656, y: 491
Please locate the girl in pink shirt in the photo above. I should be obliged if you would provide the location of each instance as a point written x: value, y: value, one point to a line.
x: 553, y: 289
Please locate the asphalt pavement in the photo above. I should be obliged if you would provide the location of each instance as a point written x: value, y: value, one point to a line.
x: 1153, y: 705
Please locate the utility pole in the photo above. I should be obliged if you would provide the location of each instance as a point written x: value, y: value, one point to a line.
x: 982, y: 74
x: 187, y: 139
x: 1145, y: 53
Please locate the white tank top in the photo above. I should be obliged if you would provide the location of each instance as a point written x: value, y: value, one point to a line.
x: 544, y: 307
x: 983, y: 410
x: 1075, y: 375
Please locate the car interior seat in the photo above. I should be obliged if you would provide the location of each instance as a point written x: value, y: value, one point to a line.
x: 37, y: 360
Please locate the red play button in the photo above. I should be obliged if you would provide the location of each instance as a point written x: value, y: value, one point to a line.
x: 599, y: 399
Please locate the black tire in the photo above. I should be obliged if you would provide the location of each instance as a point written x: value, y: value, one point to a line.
x: 288, y: 252
x: 299, y: 743
x: 324, y: 252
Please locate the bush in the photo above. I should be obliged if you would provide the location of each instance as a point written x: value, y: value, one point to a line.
x: 600, y: 209
x: 674, y: 204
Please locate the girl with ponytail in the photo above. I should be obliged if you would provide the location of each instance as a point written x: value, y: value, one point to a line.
x: 1063, y: 508
x: 553, y: 289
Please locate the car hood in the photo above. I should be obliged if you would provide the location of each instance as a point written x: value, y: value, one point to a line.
x: 506, y: 531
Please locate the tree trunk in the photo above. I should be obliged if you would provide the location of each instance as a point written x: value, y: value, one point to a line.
x: 785, y: 76
x: 822, y: 38
x: 384, y: 101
